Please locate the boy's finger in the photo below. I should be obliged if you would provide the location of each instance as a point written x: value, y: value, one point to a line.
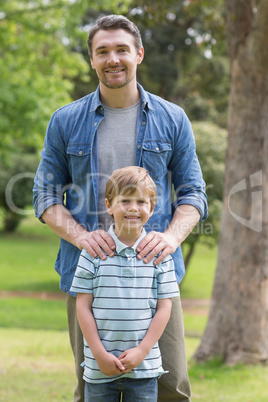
x: 119, y: 365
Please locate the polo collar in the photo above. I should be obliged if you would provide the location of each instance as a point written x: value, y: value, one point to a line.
x: 121, y: 246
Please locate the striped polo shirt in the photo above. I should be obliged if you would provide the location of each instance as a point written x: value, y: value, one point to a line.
x: 125, y: 292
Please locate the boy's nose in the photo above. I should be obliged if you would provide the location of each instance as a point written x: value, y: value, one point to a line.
x: 133, y: 206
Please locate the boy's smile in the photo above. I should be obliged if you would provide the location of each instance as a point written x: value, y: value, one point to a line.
x: 130, y: 213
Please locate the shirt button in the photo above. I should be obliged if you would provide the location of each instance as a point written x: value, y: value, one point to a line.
x: 143, y: 123
x: 138, y: 146
x: 95, y: 124
x: 157, y: 149
x: 80, y: 152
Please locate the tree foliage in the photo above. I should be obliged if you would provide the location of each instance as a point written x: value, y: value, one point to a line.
x: 185, y: 55
x: 16, y: 183
x: 40, y: 58
x: 37, y: 65
x: 44, y: 65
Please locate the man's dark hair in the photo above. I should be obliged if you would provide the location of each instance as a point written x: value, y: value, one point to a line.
x: 114, y: 22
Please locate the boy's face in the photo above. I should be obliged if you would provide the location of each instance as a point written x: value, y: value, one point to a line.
x: 130, y: 211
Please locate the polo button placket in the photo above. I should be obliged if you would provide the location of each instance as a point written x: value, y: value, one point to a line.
x: 128, y: 271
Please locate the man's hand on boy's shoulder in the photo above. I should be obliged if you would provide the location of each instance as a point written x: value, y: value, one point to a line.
x: 154, y: 243
x: 97, y: 243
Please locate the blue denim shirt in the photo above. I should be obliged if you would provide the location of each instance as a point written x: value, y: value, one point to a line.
x: 68, y: 171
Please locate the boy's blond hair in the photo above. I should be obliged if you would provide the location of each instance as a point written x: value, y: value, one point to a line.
x: 127, y: 180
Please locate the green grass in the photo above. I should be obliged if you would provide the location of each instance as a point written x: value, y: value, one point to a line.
x: 35, y: 366
x: 198, y: 281
x: 30, y: 313
x: 28, y: 257
x: 36, y: 362
x: 38, y: 366
x: 194, y: 324
x: 214, y: 381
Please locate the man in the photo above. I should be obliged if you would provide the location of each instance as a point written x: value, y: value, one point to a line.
x: 120, y: 125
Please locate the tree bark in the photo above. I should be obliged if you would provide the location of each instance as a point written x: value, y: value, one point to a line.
x: 237, y: 327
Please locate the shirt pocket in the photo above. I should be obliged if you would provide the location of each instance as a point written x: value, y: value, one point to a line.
x: 155, y: 157
x: 79, y: 162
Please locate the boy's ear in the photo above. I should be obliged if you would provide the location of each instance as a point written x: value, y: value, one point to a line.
x: 152, y: 208
x: 108, y: 207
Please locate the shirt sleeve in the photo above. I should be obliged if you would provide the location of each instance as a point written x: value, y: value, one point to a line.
x: 187, y: 176
x: 167, y: 286
x: 52, y: 174
x: 84, y: 274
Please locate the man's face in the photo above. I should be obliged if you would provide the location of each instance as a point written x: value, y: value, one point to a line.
x: 115, y: 58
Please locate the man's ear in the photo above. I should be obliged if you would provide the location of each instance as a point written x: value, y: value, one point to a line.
x: 92, y: 63
x: 108, y: 207
x: 140, y: 55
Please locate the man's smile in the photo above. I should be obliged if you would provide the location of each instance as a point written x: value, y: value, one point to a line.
x: 110, y: 71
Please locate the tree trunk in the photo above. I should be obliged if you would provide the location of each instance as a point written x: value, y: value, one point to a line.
x: 237, y: 327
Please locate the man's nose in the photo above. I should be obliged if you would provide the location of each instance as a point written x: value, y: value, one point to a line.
x: 113, y: 58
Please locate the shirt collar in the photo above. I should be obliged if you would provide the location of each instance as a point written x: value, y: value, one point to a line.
x: 121, y: 246
x: 145, y: 101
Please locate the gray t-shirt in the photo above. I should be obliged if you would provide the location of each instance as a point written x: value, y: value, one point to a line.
x: 116, y: 147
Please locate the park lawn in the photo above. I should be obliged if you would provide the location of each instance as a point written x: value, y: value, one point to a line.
x: 28, y: 258
x: 36, y: 361
x: 198, y: 280
x: 33, y: 313
x: 216, y: 382
x: 37, y: 366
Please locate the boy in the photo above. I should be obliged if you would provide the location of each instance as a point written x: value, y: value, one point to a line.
x: 123, y: 304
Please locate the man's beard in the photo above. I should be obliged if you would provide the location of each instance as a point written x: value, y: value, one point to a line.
x: 118, y: 85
